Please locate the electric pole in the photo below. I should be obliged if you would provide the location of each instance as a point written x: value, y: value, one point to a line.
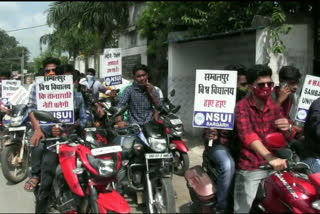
x: 22, y: 68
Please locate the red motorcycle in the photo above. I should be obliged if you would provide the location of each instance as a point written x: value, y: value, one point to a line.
x: 293, y: 190
x: 174, y: 129
x: 84, y: 180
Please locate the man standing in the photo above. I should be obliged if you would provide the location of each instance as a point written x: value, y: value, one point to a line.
x: 255, y: 118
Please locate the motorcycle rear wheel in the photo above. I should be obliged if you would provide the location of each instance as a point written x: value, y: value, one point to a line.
x: 181, y: 162
x: 163, y: 195
x: 14, y: 173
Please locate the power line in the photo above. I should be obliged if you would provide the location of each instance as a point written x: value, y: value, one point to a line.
x: 25, y: 28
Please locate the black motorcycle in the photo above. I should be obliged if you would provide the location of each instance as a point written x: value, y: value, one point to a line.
x: 15, y: 153
x: 148, y: 163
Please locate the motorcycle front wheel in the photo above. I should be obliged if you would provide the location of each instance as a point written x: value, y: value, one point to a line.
x: 181, y: 162
x: 163, y: 196
x: 14, y: 170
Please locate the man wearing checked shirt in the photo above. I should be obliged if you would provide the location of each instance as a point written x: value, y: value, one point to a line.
x: 255, y: 118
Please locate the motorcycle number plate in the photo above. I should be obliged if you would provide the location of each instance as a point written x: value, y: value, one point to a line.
x: 22, y: 128
x: 176, y: 121
x: 106, y: 150
x: 90, y: 129
x: 158, y: 155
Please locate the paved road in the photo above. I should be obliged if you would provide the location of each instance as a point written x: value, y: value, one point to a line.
x: 13, y: 198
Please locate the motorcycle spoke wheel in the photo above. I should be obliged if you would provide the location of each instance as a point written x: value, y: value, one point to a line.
x: 163, y: 196
x: 181, y: 162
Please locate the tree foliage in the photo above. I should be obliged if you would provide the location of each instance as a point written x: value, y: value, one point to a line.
x: 11, y: 52
x: 205, y: 18
x: 101, y: 19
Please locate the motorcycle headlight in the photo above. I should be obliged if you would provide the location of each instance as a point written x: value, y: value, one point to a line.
x: 158, y: 144
x: 177, y: 131
x: 105, y: 168
x: 16, y: 121
x: 316, y: 205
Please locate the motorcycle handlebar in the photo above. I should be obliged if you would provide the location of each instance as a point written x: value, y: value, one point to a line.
x: 291, y: 165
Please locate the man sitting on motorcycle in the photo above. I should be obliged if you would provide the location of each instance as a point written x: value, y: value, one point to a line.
x: 50, y: 67
x: 49, y: 160
x: 255, y: 117
x: 285, y: 95
x: 220, y: 152
x: 141, y: 97
x: 311, y: 151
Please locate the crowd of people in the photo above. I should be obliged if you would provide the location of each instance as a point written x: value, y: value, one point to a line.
x: 261, y: 109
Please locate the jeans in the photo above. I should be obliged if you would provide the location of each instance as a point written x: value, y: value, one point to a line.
x: 314, y: 163
x: 48, y: 171
x: 246, y: 187
x: 36, y: 159
x: 220, y: 155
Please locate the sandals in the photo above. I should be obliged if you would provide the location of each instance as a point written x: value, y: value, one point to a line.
x: 31, y: 184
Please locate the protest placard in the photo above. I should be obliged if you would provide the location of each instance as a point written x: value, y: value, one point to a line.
x: 309, y: 93
x: 111, y: 65
x: 55, y: 95
x: 215, y: 99
x: 20, y: 96
x: 9, y: 87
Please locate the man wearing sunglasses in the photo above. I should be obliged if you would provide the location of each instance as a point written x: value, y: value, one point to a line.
x: 50, y: 65
x: 255, y: 117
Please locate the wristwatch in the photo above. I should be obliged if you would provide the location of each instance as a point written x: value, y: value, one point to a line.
x: 290, y: 127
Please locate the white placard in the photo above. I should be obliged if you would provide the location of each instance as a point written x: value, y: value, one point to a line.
x: 309, y: 93
x: 111, y: 64
x: 215, y: 99
x: 20, y: 96
x: 55, y: 95
x: 9, y: 87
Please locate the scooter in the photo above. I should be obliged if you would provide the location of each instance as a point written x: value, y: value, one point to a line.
x: 174, y: 128
x: 293, y: 190
x: 84, y: 180
x: 15, y: 153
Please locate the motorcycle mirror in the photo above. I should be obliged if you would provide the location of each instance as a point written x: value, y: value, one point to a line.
x: 45, y: 116
x: 275, y: 141
x: 118, y: 111
x: 173, y: 92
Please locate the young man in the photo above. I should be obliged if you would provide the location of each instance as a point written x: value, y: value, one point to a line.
x: 141, y: 97
x: 255, y: 118
x: 50, y: 68
x: 221, y: 151
x: 285, y: 95
x: 311, y: 151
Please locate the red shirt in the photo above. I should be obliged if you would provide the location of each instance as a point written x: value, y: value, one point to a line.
x: 253, y: 124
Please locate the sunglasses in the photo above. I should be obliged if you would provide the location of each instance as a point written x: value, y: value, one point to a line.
x: 48, y: 70
x: 263, y: 84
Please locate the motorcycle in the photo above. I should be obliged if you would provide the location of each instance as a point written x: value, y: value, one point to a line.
x: 147, y: 161
x: 15, y: 154
x: 174, y: 128
x: 293, y: 190
x: 84, y: 180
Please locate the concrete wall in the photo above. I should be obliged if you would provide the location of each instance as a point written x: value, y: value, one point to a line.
x: 298, y: 52
x: 247, y: 49
x: 185, y: 58
x: 134, y: 47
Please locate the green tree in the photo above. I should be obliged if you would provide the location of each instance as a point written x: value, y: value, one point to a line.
x: 205, y: 18
x: 11, y: 52
x: 102, y: 19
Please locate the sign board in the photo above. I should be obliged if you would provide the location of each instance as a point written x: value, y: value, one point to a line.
x: 111, y: 64
x: 55, y: 95
x: 9, y: 87
x: 215, y: 99
x: 20, y: 96
x: 309, y: 93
